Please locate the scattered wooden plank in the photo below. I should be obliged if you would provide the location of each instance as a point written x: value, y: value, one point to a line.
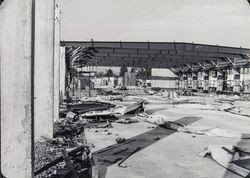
x: 58, y: 160
x: 69, y: 164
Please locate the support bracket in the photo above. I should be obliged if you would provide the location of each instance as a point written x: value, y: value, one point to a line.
x: 213, y: 63
x: 203, y: 67
x: 230, y: 61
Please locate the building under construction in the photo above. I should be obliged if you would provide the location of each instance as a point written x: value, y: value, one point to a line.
x: 132, y: 102
x: 197, y: 67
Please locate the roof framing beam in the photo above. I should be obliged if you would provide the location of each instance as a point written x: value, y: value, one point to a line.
x: 161, y: 53
x: 230, y: 61
x: 156, y: 54
x: 157, y: 45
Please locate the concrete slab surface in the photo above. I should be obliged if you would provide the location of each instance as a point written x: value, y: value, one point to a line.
x: 173, y: 154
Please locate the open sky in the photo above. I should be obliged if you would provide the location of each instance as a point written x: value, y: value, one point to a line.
x: 223, y: 22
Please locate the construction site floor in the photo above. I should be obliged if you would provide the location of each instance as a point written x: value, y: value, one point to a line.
x: 168, y: 153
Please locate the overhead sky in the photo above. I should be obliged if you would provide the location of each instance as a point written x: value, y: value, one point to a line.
x: 223, y: 22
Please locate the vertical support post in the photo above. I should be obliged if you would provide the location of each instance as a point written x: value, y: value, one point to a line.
x: 184, y: 81
x: 17, y: 30
x: 205, y: 81
x: 56, y: 61
x: 236, y: 87
x: 89, y: 85
x: 189, y: 80
x: 220, y: 79
x: 195, y: 82
x: 62, y: 72
x: 212, y: 80
x: 44, y: 69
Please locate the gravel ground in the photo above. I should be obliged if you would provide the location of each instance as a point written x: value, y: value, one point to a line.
x: 45, y: 152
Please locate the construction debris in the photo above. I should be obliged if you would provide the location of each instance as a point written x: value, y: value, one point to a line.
x: 120, y: 139
x: 116, y: 111
x: 76, y: 154
x: 87, y: 106
x: 54, y: 161
x: 103, y: 115
x: 163, y: 121
x: 107, y: 125
x: 72, y: 116
x: 68, y: 129
x: 230, y: 157
x: 127, y: 120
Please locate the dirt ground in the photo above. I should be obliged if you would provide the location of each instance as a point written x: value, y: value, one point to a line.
x: 167, y: 153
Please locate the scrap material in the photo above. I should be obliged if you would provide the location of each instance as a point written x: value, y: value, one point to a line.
x: 105, y: 120
x: 86, y: 106
x: 216, y: 132
x: 231, y: 160
x: 59, y: 159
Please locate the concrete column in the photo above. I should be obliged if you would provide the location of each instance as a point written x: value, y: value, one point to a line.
x: 56, y: 62
x: 244, y: 79
x: 220, y: 79
x: 184, y: 81
x: 194, y: 82
x: 16, y: 94
x: 189, y: 80
x: 236, y: 87
x: 44, y: 69
x: 199, y: 80
x: 62, y: 72
x: 212, y: 80
x: 205, y: 81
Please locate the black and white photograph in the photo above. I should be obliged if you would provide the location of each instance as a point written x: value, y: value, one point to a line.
x: 125, y: 88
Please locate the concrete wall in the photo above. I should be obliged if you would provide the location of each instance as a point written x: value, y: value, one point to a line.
x: 17, y: 100
x: 162, y: 72
x: 56, y: 61
x: 62, y: 71
x: 163, y: 83
x: 104, y: 82
x: 15, y: 55
x: 44, y: 69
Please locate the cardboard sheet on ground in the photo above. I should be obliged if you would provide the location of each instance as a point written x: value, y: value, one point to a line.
x: 163, y: 121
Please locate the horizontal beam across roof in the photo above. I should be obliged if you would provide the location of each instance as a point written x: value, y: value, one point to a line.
x: 137, y: 62
x: 155, y: 54
x: 158, y: 45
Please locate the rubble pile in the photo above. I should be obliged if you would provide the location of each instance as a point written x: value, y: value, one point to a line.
x: 45, y: 152
x: 103, y: 117
x: 67, y: 154
x: 54, y: 161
